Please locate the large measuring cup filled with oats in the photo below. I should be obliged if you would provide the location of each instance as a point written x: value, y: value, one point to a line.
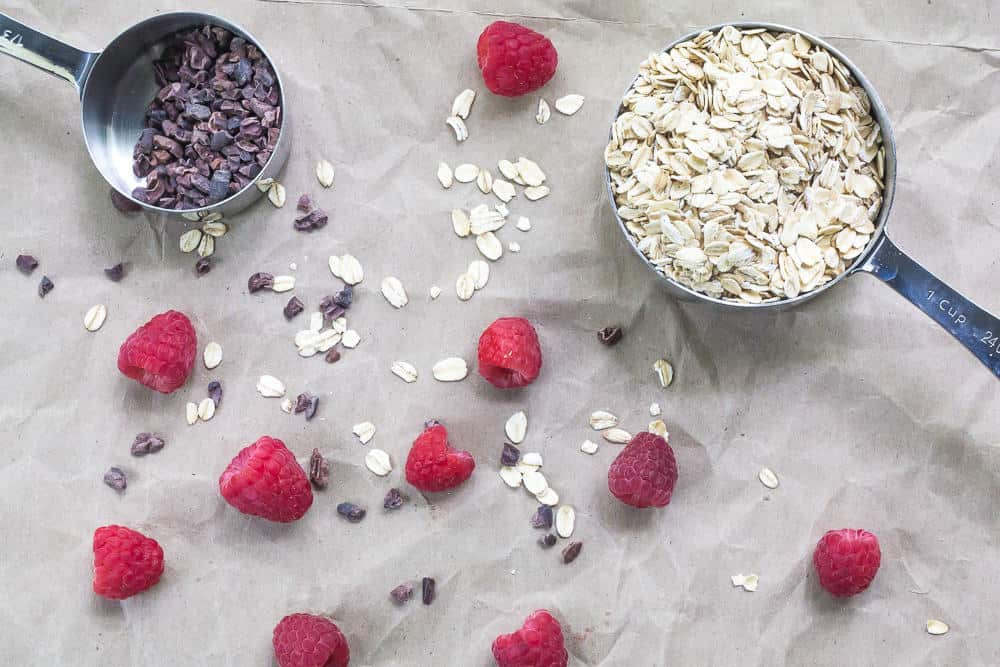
x: 182, y: 113
x: 752, y: 165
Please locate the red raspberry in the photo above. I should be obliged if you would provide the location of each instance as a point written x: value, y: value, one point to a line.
x: 433, y: 465
x: 160, y: 354
x: 509, y: 354
x: 644, y: 473
x: 265, y: 480
x: 515, y: 60
x: 846, y: 561
x: 304, y: 640
x: 126, y: 562
x: 539, y: 643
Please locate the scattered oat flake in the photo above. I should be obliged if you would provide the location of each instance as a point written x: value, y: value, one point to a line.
x: 351, y: 339
x: 484, y: 181
x: 489, y: 245
x: 215, y: 229
x: 569, y: 104
x: 270, y: 386
x: 548, y: 497
x: 588, y: 447
x: 463, y: 103
x: 480, y: 272
x: 747, y: 582
x: 276, y: 194
x: 458, y: 125
x: 435, y: 291
x: 393, y: 291
x: 600, y: 420
x: 94, y: 318
x: 658, y: 427
x: 206, y: 409
x: 768, y: 478
x: 283, y: 283
x: 532, y: 459
x: 516, y: 427
x: 445, y: 175
x: 265, y: 184
x: 543, y: 114
x: 530, y: 172
x: 511, y: 476
x: 466, y: 173
x: 536, y: 193
x: 287, y: 405
x: 565, y: 520
x: 405, y: 371
x: 378, y: 462
x: 523, y: 223
x: 654, y: 410
x: 460, y: 222
x: 451, y: 369
x: 212, y: 355
x: 507, y: 168
x: 190, y: 239
x: 935, y: 627
x: 503, y: 190
x: 664, y: 372
x: 617, y: 436
x: 365, y: 432
x: 465, y: 286
x: 535, y: 482
x: 514, y: 246
x: 191, y: 413
x: 207, y: 246
x: 324, y: 173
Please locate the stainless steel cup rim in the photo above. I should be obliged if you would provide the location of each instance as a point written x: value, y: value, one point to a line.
x: 197, y: 19
x: 888, y: 140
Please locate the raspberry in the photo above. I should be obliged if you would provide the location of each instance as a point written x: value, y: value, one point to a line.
x: 509, y: 354
x: 126, y: 562
x: 265, y: 480
x: 515, y: 60
x: 644, y: 473
x: 433, y: 465
x: 539, y: 643
x: 160, y: 354
x: 304, y: 640
x: 846, y: 561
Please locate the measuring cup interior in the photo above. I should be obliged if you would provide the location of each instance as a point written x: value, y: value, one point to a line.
x: 878, y: 112
x: 121, y: 85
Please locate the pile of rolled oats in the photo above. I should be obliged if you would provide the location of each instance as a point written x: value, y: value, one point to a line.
x: 747, y: 165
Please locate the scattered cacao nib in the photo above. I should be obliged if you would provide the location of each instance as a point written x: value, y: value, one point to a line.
x: 302, y: 402
x: 259, y: 281
x: 115, y: 478
x: 312, y: 220
x: 45, y: 286
x: 311, y: 409
x: 570, y: 553
x: 542, y: 517
x: 330, y: 309
x: 351, y: 512
x: 293, y: 307
x: 610, y: 335
x: 547, y: 541
x: 115, y: 273
x: 146, y: 443
x: 402, y: 593
x: 332, y: 356
x: 319, y: 470
x: 203, y: 266
x: 394, y: 499
x: 123, y: 203
x: 427, y: 590
x: 305, y: 203
x: 215, y: 392
x: 510, y: 455
x: 344, y: 297
x: 212, y: 125
x: 26, y: 264
x: 431, y: 423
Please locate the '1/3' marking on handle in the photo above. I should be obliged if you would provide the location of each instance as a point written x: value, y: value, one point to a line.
x: 12, y: 37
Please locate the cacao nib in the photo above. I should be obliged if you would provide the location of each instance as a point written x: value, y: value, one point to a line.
x: 351, y: 512
x: 542, y: 517
x: 115, y: 273
x: 510, y: 455
x: 203, y: 266
x: 315, y: 219
x: 402, y: 593
x: 123, y: 203
x: 570, y: 553
x: 293, y: 307
x: 547, y: 541
x: 259, y: 281
x: 610, y: 335
x: 215, y: 392
x: 45, y: 286
x: 332, y: 356
x: 115, y: 478
x: 427, y: 590
x: 146, y: 443
x: 344, y: 297
x: 26, y: 264
x: 394, y: 499
x: 319, y: 470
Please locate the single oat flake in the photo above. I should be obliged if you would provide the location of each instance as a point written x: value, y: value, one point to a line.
x: 658, y: 427
x: 94, y: 318
x: 516, y: 427
x: 747, y: 582
x: 324, y: 173
x: 768, y: 478
x: 435, y: 292
x: 270, y: 387
x: 600, y: 420
x: 480, y: 272
x: 533, y: 459
x: 463, y: 103
x: 544, y: 113
x: 514, y: 247
x: 405, y: 371
x: 523, y: 223
x: 444, y: 175
x: 565, y: 521
x: 393, y: 291
x: 588, y: 447
x: 206, y: 409
x: 548, y: 497
x: 511, y: 476
x: 212, y: 355
x: 536, y: 193
x: 283, y: 283
x: 351, y: 339
x: 466, y: 173
x: 569, y: 104
x: 664, y: 372
x: 531, y: 173
x: 465, y: 286
x: 460, y: 222
x: 503, y: 190
x: 617, y: 436
x: 276, y: 194
x: 458, y: 125
x: 190, y: 239
x: 206, y: 248
x: 654, y: 410
x: 452, y: 369
x: 935, y: 627
x: 484, y: 181
x: 365, y: 432
x: 378, y: 462
x: 489, y: 245
x: 191, y: 413
x: 535, y: 482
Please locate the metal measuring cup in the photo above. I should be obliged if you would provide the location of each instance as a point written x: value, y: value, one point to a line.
x: 115, y: 87
x: 976, y: 329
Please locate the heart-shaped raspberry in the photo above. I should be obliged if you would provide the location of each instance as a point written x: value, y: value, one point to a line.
x: 539, y: 643
x: 433, y: 464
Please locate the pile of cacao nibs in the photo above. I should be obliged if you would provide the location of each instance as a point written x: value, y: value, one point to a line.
x: 212, y: 126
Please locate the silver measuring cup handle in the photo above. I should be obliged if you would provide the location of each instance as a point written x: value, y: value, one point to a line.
x: 972, y: 326
x: 47, y: 53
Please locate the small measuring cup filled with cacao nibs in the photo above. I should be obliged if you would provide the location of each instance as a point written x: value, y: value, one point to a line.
x: 183, y: 112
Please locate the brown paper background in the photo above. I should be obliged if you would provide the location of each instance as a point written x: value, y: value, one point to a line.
x: 871, y: 416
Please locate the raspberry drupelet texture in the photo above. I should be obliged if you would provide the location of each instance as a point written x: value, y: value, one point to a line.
x: 265, y: 480
x: 509, y: 353
x: 160, y: 354
x: 538, y: 643
x: 434, y: 465
x: 846, y: 561
x: 644, y: 473
x: 305, y: 640
x: 514, y: 59
x: 126, y: 562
